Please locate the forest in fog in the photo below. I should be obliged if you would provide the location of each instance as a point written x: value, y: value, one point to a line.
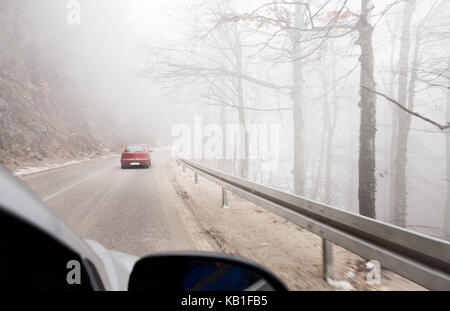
x: 360, y: 88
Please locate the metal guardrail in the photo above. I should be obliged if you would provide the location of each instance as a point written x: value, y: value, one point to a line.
x: 420, y: 258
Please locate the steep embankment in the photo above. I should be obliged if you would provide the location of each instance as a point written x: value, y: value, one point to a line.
x: 37, y: 126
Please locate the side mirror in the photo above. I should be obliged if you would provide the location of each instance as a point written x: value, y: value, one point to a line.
x: 201, y: 272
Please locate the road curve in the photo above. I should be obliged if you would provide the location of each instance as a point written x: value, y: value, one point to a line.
x: 128, y: 210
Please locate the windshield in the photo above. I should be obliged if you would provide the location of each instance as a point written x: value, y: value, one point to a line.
x: 340, y: 107
x: 135, y: 149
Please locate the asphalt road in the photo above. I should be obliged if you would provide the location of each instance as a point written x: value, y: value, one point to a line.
x: 128, y: 210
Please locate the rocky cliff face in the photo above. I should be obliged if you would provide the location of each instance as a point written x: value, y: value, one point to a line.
x: 51, y: 105
x: 36, y: 125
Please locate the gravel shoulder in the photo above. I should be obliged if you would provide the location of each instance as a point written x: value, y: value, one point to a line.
x: 247, y: 230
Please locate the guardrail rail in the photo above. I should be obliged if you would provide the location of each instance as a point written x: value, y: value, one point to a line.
x: 420, y: 258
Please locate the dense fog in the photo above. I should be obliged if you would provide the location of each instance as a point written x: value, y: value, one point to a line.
x: 359, y: 89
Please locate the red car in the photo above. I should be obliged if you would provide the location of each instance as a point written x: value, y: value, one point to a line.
x: 135, y: 156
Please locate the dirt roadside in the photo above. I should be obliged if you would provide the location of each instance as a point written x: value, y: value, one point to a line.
x: 247, y: 230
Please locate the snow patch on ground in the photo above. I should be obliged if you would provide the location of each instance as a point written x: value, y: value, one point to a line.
x: 50, y: 166
x: 340, y: 285
x: 349, y: 274
x: 32, y: 170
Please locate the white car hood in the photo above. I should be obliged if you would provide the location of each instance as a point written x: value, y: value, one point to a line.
x: 118, y: 265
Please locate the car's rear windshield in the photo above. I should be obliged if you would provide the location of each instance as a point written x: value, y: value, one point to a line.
x: 135, y: 149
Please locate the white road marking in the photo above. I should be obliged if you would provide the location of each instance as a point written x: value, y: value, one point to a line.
x: 72, y: 185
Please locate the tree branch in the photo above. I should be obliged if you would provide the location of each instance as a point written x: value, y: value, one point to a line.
x: 254, y: 108
x: 438, y: 125
x: 199, y: 70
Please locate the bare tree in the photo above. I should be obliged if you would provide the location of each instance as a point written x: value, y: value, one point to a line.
x: 299, y: 169
x: 316, y: 35
x: 367, y: 179
x: 216, y: 61
x: 299, y: 39
x: 329, y: 114
x: 401, y: 130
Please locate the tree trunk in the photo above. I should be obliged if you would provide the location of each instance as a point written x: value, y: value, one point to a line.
x: 447, y: 145
x: 223, y: 124
x: 351, y: 188
x: 393, y: 141
x: 398, y: 191
x: 325, y: 128
x: 297, y: 103
x: 241, y: 111
x: 329, y: 155
x: 322, y: 151
x: 331, y: 126
x: 367, y: 164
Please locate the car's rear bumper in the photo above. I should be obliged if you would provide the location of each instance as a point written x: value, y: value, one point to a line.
x: 135, y: 162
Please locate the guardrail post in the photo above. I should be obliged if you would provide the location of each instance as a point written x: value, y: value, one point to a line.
x: 327, y: 259
x: 178, y: 163
x: 224, y: 198
x: 184, y: 169
x: 196, y: 179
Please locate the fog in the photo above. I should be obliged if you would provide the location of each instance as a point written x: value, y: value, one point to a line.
x: 139, y: 68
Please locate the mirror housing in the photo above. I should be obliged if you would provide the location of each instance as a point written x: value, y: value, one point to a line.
x: 201, y: 272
